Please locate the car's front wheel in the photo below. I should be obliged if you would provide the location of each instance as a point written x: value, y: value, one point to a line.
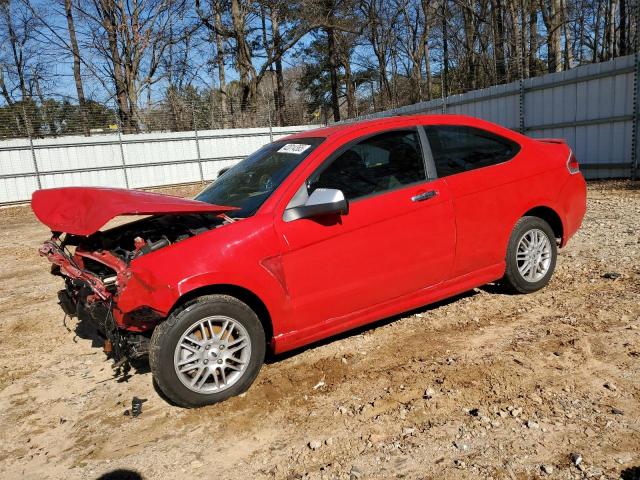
x: 531, y: 256
x: 208, y: 350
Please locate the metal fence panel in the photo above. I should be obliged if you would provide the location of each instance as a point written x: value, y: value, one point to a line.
x: 134, y: 161
x: 592, y: 107
x: 13, y: 189
x: 15, y: 160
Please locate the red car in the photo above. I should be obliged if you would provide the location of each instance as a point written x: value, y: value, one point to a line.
x: 311, y: 235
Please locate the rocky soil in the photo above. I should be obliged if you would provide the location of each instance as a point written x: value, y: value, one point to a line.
x: 485, y: 385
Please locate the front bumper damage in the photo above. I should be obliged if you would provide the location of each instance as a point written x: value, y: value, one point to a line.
x: 110, y: 299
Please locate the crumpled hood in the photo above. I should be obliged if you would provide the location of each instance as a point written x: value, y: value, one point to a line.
x: 84, y: 210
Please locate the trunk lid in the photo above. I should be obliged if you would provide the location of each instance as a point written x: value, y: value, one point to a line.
x: 84, y: 210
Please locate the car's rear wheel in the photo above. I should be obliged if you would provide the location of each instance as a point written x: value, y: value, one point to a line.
x: 531, y: 256
x: 208, y: 350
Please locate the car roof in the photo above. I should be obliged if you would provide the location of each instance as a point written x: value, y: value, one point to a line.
x: 399, y: 120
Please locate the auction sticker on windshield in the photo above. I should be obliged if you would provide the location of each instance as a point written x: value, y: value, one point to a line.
x: 296, y: 148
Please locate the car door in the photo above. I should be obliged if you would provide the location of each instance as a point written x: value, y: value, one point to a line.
x: 476, y: 165
x: 398, y: 236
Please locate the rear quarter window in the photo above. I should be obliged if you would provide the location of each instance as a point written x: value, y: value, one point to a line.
x: 458, y: 149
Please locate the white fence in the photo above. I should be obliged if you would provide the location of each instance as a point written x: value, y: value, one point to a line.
x: 593, y: 107
x: 131, y: 161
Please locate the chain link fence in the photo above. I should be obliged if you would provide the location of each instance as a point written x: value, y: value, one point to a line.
x: 59, y: 142
x: 53, y: 118
x: 54, y: 145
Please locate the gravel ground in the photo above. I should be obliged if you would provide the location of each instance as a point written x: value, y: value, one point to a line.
x: 484, y: 385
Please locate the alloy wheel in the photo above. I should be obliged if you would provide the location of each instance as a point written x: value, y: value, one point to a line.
x: 533, y: 255
x: 212, y: 354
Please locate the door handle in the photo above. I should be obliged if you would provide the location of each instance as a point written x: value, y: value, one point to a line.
x: 421, y: 197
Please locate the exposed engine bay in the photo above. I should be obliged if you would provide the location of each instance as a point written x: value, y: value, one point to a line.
x: 95, y: 270
x: 147, y: 235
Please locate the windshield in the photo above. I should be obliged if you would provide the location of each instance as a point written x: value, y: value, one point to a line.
x: 249, y: 183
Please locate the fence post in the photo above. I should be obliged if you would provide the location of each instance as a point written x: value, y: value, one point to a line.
x: 122, y: 160
x: 521, y: 106
x: 34, y: 159
x: 635, y: 150
x: 195, y: 131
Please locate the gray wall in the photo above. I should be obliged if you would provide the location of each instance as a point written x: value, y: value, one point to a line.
x: 592, y: 107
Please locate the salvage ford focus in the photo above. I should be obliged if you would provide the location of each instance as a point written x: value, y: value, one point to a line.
x: 311, y: 235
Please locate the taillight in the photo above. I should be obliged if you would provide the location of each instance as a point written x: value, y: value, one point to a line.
x: 572, y: 164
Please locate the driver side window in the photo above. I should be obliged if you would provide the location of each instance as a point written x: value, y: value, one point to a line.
x: 377, y: 164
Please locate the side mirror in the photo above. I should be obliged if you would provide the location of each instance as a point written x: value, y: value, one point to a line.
x: 323, y: 201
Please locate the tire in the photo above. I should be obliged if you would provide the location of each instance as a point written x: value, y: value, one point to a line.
x: 217, y: 337
x: 518, y: 278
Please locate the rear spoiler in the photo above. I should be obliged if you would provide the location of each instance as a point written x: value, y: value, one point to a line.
x: 552, y: 140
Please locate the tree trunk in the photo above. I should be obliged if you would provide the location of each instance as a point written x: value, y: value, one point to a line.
x: 393, y: 56
x: 3, y: 87
x: 75, y: 51
x: 469, y: 37
x: 425, y: 49
x: 581, y: 34
x: 552, y: 17
x: 350, y: 89
x: 524, y: 9
x: 16, y: 51
x: 279, y: 97
x: 623, y: 28
x: 515, y: 47
x: 244, y: 63
x: 604, y: 50
x: 533, y: 40
x: 611, y: 31
x: 373, y: 96
x: 427, y: 67
x: 498, y: 40
x: 445, y: 52
x: 379, y: 46
x: 596, y: 33
x: 111, y: 28
x: 46, y: 117
x: 333, y: 72
x: 568, y: 50
x: 220, y: 52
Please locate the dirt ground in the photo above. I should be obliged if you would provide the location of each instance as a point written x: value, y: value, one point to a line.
x: 485, y: 385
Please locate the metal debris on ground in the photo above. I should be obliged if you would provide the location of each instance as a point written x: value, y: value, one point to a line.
x: 319, y: 385
x: 611, y: 275
x: 136, y: 407
x: 576, y: 458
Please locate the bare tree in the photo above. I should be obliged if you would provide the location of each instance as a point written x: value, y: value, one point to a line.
x: 208, y: 60
x: 552, y: 17
x: 131, y: 36
x: 18, y: 27
x: 416, y: 24
x: 77, y: 74
x: 380, y: 18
